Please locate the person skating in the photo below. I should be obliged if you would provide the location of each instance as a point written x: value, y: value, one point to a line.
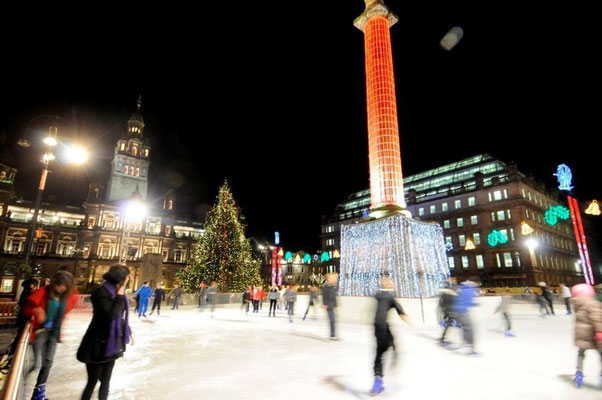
x: 504, y: 307
x: 48, y: 307
x: 212, y: 296
x: 176, y: 293
x: 202, y: 293
x: 261, y: 297
x: 145, y: 292
x: 329, y: 300
x: 246, y: 299
x: 547, y: 295
x: 385, y: 298
x: 273, y: 296
x: 447, y: 299
x: 313, y: 299
x: 255, y: 298
x: 108, y: 333
x: 566, y: 296
x: 290, y: 296
x: 464, y: 302
x: 158, y: 298
x: 588, y: 326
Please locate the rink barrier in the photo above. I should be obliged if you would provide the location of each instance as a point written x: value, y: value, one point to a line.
x: 14, y: 385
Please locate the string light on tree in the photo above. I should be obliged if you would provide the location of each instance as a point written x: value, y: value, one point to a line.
x: 525, y: 228
x: 469, y: 245
x: 593, y: 208
x: 222, y: 254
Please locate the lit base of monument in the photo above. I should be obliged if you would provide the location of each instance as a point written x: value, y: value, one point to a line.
x: 410, y: 252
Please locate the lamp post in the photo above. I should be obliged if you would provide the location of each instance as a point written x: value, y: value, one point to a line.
x: 74, y: 154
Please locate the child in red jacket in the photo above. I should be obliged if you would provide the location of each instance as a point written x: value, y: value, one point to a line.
x: 47, y: 307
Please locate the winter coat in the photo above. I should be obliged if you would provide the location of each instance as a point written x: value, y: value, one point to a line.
x: 566, y: 292
x: 39, y: 298
x: 588, y: 321
x: 273, y: 294
x: 446, y: 300
x: 504, y: 305
x: 329, y: 296
x: 144, y: 292
x: 105, y: 309
x: 465, y: 298
x: 290, y: 295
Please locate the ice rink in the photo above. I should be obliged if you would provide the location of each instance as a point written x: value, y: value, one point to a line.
x: 185, y: 354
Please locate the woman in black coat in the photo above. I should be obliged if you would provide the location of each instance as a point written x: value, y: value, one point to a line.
x: 108, y: 333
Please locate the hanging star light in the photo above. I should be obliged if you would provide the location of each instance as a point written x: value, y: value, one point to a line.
x: 469, y: 245
x: 525, y: 228
x: 449, y: 247
x: 593, y: 208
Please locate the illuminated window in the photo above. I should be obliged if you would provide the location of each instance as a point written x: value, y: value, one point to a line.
x: 524, y: 194
x: 122, y: 146
x: 7, y: 285
x: 433, y: 209
x: 448, y: 240
x: 126, y: 170
x: 505, y: 194
x: 480, y: 261
x: 145, y: 152
x: 474, y: 219
x: 167, y: 230
x: 476, y: 238
x: 508, y: 214
x: 527, y: 213
x: 501, y: 216
x: 458, y: 204
x: 450, y: 262
x: 135, y: 151
x: 465, y: 263
x: 421, y: 211
x: 446, y: 224
x: 137, y: 171
x: 498, y: 260
x: 460, y: 222
x: 508, y: 259
x: 444, y: 207
x: 462, y: 239
x: 472, y: 201
x: 170, y: 204
x: 497, y: 195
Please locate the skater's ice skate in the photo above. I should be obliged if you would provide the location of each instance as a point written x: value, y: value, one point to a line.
x: 378, y: 386
x: 578, y: 379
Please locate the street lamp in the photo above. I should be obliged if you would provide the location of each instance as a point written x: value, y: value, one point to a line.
x: 135, y: 211
x: 51, y: 142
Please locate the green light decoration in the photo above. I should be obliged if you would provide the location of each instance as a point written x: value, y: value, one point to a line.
x: 288, y: 256
x: 556, y: 212
x: 496, y: 237
x: 307, y: 259
x: 324, y: 257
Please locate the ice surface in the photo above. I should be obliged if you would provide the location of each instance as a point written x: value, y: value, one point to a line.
x: 185, y: 354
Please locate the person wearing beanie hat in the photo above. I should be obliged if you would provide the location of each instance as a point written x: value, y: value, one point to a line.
x: 588, y: 325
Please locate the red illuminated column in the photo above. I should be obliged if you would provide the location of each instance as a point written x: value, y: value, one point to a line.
x: 386, y: 179
x: 580, y: 238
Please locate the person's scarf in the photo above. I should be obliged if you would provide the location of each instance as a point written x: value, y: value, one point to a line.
x: 115, y: 334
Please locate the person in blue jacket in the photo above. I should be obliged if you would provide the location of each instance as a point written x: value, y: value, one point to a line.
x: 145, y: 293
x: 462, y: 305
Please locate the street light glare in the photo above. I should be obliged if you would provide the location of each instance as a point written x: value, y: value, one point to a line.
x: 48, y: 157
x: 77, y: 155
x: 50, y: 141
x: 532, y: 243
x: 135, y: 211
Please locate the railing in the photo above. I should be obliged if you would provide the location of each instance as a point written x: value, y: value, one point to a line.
x: 15, y: 380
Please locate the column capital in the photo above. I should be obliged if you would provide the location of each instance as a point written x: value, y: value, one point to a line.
x: 375, y: 8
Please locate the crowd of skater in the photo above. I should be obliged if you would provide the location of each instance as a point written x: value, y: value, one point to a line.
x: 109, y: 332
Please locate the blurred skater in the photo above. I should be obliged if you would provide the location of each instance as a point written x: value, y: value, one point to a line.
x: 212, y: 296
x: 313, y: 299
x: 158, y: 298
x: 504, y: 308
x: 566, y: 296
x: 385, y: 298
x: 329, y: 300
x: 290, y: 296
x: 145, y: 292
x: 447, y: 299
x: 273, y: 296
x: 588, y: 326
x: 246, y: 299
x: 176, y: 293
x: 464, y: 302
x: 202, y: 291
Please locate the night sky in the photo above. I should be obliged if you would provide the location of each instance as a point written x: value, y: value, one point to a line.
x: 271, y: 96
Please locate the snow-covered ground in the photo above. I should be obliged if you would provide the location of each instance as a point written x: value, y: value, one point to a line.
x: 185, y: 354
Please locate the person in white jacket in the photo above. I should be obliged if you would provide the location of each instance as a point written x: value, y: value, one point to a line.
x: 566, y: 295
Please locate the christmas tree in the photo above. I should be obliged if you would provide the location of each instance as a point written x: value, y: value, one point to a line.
x: 222, y: 254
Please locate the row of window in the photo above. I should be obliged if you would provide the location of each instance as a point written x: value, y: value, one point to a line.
x: 501, y: 215
x: 472, y: 201
x: 127, y: 170
x: 498, y: 195
x: 135, y: 129
x: 501, y: 260
x: 535, y: 199
x: 474, y: 220
x: 134, y: 150
x: 476, y: 237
